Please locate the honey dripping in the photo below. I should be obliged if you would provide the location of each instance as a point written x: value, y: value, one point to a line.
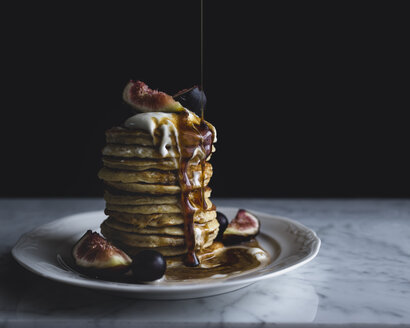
x: 191, y: 137
x: 201, y: 88
x: 203, y: 202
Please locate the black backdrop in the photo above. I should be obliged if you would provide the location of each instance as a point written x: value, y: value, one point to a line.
x: 309, y: 98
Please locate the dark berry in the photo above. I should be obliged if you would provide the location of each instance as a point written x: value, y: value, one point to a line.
x: 223, y: 223
x: 193, y: 98
x: 148, y: 265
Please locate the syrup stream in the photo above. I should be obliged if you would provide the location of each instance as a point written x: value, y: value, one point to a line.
x: 202, y: 137
x: 192, y: 137
x: 202, y: 59
x: 202, y: 105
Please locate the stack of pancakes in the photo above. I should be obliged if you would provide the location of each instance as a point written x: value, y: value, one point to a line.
x: 143, y: 195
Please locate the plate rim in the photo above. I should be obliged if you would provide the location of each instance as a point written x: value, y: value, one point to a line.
x: 157, y: 288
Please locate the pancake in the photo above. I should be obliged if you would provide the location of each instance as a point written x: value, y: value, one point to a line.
x: 148, y: 220
x: 155, y: 176
x: 142, y: 186
x: 203, y: 254
x: 144, y: 209
x: 153, y: 181
x: 139, y: 199
x: 133, y: 164
x: 155, y: 189
x: 147, y: 176
x: 168, y: 252
x: 173, y: 254
x: 145, y: 220
x: 204, y: 235
x: 159, y: 208
x: 115, y: 196
x: 140, y: 240
x: 175, y: 230
x: 120, y: 135
x: 160, y: 219
x: 136, y: 151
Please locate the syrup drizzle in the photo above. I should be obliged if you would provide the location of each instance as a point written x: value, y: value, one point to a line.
x: 204, y: 206
x: 194, y: 140
x: 191, y: 138
x: 201, y: 88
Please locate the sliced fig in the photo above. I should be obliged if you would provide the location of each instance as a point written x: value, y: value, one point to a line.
x: 95, y: 254
x: 193, y: 98
x: 243, y: 227
x: 142, y: 98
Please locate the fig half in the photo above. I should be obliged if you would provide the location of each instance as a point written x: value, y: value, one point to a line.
x: 243, y: 227
x: 94, y: 254
x: 143, y: 99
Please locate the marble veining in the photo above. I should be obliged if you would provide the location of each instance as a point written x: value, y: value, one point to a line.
x: 361, y: 275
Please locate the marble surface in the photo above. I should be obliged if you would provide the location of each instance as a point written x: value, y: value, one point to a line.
x: 360, y: 277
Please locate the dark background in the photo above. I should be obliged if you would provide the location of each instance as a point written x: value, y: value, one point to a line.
x: 309, y: 98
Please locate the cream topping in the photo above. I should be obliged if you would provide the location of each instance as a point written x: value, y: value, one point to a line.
x: 199, y: 237
x: 167, y: 125
x: 196, y: 179
x: 259, y: 254
x: 150, y: 122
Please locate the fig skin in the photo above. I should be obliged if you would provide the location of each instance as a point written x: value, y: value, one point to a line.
x: 138, y: 95
x: 96, y: 256
x: 244, y: 227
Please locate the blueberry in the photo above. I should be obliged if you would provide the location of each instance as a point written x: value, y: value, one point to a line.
x: 223, y: 223
x: 148, y: 265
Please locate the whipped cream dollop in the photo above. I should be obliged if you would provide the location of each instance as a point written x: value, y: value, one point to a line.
x: 167, y: 125
x: 150, y: 122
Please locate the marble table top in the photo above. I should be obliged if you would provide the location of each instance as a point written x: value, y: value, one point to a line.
x: 360, y: 277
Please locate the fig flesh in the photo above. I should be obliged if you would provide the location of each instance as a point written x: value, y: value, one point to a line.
x: 94, y: 254
x: 193, y: 99
x: 243, y: 227
x: 143, y: 99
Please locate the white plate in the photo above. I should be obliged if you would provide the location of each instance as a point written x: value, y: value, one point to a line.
x: 289, y: 243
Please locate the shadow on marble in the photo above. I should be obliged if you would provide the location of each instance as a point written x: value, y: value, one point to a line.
x: 282, y: 299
